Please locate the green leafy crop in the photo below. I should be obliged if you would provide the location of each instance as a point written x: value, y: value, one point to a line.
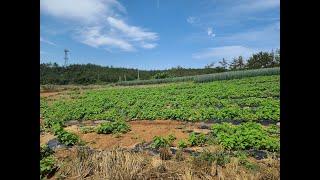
x: 245, y: 136
x: 182, y: 144
x: 197, y: 139
x: 247, y: 99
x: 113, y: 127
x: 47, y: 161
x: 65, y: 137
x: 162, y: 142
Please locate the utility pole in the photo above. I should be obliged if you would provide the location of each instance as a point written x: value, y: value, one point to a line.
x: 125, y: 78
x: 138, y: 75
x: 66, y: 57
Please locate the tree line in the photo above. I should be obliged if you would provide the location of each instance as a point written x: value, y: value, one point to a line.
x: 84, y: 74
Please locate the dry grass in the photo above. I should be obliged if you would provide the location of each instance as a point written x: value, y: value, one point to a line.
x: 119, y: 164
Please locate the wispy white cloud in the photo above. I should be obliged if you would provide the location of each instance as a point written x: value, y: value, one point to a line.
x: 100, y: 23
x: 192, y: 20
x: 148, y: 45
x: 93, y: 37
x: 47, y: 41
x: 210, y: 32
x: 228, y: 52
x: 134, y: 32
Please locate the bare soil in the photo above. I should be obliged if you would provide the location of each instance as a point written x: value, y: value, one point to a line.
x: 48, y: 94
x: 141, y: 131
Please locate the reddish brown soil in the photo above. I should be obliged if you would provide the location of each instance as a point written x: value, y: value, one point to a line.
x: 142, y: 130
x: 48, y: 94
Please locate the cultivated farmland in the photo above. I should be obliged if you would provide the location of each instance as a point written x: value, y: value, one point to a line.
x: 219, y: 129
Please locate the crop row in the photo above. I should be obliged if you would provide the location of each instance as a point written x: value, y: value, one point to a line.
x: 254, y: 98
x: 207, y: 77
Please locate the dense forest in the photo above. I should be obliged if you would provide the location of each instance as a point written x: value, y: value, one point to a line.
x: 52, y: 73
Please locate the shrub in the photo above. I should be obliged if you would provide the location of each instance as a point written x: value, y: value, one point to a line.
x: 159, y: 142
x: 66, y: 138
x: 243, y: 160
x: 47, y: 166
x: 182, y: 144
x: 120, y: 127
x: 197, y: 139
x: 161, y: 75
x: 162, y: 142
x: 47, y: 161
x: 105, y: 128
x: 113, y: 127
x: 45, y: 151
x: 206, y: 159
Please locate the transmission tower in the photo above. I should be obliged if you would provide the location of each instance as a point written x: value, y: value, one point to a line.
x: 66, y: 57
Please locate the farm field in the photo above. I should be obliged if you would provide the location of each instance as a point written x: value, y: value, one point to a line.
x: 215, y: 130
x: 246, y: 99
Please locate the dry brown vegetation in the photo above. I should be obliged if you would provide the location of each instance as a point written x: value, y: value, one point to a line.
x: 120, y: 164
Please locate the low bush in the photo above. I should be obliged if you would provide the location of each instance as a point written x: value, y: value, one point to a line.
x: 197, y: 139
x: 45, y: 151
x: 47, y: 166
x: 113, y: 127
x: 162, y: 142
x: 182, y: 144
x: 47, y: 161
x: 66, y: 138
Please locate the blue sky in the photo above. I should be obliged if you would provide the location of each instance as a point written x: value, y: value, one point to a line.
x: 156, y: 34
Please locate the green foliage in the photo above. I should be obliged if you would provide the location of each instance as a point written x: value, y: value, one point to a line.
x: 47, y: 161
x: 47, y: 166
x: 262, y: 60
x: 65, y: 137
x: 248, y: 99
x: 68, y: 139
x: 220, y: 158
x: 243, y: 160
x: 237, y: 63
x: 208, y: 77
x: 113, y: 127
x: 85, y: 74
x: 171, y: 137
x: 45, y: 151
x: 245, y: 136
x: 87, y: 129
x: 105, y: 128
x: 236, y: 75
x: 197, y: 139
x: 161, y: 75
x: 182, y: 144
x: 162, y: 142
